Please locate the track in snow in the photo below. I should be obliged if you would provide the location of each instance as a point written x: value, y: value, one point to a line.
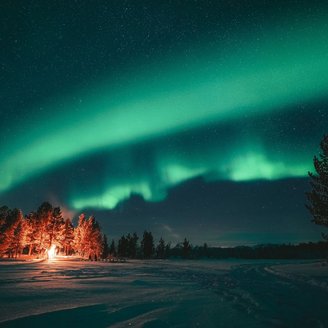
x: 69, y: 293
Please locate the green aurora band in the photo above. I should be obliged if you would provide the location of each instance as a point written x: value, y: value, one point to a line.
x: 259, y: 77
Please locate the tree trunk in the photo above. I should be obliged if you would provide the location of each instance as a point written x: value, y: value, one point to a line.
x: 30, y: 248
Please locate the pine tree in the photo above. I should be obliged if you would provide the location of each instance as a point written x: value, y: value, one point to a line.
x: 17, y: 233
x: 112, y: 248
x: 43, y: 226
x: 56, y: 229
x: 167, y: 250
x: 80, y: 235
x: 160, y: 249
x: 205, y: 250
x: 122, y: 248
x: 11, y: 236
x: 105, y: 247
x: 40, y: 230
x: 30, y: 232
x: 147, y: 245
x: 186, y: 248
x: 81, y: 242
x: 132, y: 241
x: 67, y: 237
x: 318, y: 197
x: 4, y: 213
x: 93, y: 240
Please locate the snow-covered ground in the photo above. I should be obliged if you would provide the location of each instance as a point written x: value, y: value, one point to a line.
x: 72, y: 293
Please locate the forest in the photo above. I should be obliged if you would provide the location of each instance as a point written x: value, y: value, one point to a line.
x: 34, y: 234
x: 39, y: 231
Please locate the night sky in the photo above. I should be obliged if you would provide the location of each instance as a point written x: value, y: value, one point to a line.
x: 195, y: 119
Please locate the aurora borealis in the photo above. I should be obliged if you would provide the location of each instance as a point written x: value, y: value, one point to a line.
x: 104, y: 101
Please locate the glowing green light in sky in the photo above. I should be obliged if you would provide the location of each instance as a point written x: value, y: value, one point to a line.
x: 249, y: 165
x: 257, y: 78
x: 111, y: 197
x: 257, y: 166
x: 174, y: 173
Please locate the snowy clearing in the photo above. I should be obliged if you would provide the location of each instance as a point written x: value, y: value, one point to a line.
x: 235, y: 293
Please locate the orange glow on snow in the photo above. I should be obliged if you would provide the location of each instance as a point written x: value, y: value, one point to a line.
x: 52, y: 252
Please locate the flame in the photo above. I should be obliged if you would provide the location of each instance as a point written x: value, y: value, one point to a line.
x: 52, y: 252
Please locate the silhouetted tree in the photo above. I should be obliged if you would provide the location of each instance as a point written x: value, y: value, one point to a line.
x: 127, y: 245
x: 4, y: 212
x: 186, y: 248
x: 204, y: 251
x: 105, y: 247
x: 160, y: 249
x: 147, y: 245
x: 318, y: 197
x: 112, y: 248
x: 167, y: 250
x: 132, y: 241
x: 122, y: 248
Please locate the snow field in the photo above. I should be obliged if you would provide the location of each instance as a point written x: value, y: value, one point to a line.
x: 72, y: 293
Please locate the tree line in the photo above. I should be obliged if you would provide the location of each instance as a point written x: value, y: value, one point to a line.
x: 36, y: 232
x: 129, y: 247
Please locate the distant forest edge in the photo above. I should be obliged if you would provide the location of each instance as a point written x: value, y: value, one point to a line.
x: 35, y: 233
x: 38, y: 232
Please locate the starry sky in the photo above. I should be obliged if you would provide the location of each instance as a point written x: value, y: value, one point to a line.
x: 187, y: 118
